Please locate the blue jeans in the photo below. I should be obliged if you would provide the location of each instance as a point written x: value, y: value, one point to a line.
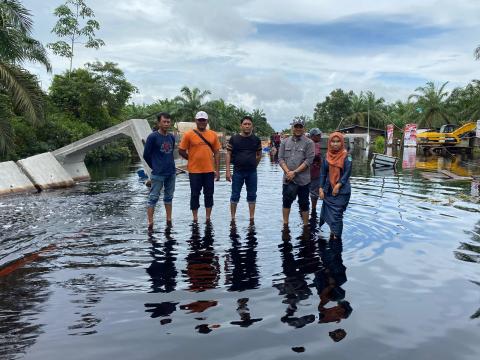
x: 249, y: 177
x: 158, y: 182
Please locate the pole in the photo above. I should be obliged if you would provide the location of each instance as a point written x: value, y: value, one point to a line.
x: 368, y: 126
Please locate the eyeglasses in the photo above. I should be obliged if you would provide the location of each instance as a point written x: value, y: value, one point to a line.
x: 202, y: 120
x: 298, y: 126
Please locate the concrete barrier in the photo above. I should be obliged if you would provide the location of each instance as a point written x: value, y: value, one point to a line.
x: 46, y: 172
x: 13, y: 180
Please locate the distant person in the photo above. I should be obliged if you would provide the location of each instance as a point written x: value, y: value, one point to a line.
x: 244, y: 151
x: 295, y: 157
x: 277, y: 139
x: 158, y: 154
x: 201, y: 148
x: 335, y: 187
x: 315, y: 136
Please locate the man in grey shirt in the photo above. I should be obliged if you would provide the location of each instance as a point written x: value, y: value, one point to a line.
x: 295, y: 157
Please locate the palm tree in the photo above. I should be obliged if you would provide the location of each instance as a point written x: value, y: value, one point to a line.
x: 431, y: 105
x: 16, y: 47
x: 365, y: 106
x: 190, y: 102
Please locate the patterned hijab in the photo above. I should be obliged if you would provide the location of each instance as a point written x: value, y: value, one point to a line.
x: 336, y: 158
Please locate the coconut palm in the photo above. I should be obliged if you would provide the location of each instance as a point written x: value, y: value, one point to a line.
x: 191, y: 101
x: 16, y: 47
x: 365, y: 106
x: 431, y: 105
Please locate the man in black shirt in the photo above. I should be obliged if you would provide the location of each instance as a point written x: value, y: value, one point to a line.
x: 244, y: 151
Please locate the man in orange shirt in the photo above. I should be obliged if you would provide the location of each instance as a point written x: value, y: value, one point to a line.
x: 201, y: 147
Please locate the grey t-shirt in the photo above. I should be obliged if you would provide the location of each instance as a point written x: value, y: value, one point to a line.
x: 295, y: 151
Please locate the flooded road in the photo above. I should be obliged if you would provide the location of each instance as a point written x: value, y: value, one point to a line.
x: 405, y: 283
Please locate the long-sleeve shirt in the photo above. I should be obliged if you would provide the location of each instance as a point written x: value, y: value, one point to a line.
x: 344, y: 176
x: 295, y: 152
x: 158, y: 153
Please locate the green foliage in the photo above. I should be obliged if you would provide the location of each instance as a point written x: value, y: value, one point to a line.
x: 330, y: 113
x: 95, y: 95
x: 76, y: 24
x: 431, y: 105
x: 115, y: 151
x: 19, y: 89
x: 379, y: 144
x: 191, y: 101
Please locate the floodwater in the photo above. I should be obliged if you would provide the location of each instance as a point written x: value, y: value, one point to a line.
x: 93, y: 285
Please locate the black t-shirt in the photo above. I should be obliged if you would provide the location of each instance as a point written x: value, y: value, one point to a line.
x: 244, y: 151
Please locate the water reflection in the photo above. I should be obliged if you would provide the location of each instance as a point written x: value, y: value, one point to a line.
x: 294, y: 287
x: 241, y: 263
x: 203, y: 268
x: 162, y: 270
x: 322, y: 259
x: 22, y: 295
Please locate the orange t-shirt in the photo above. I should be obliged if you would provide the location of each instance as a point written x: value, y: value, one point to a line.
x: 200, y: 157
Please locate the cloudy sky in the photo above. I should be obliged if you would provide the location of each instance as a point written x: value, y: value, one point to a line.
x: 278, y: 55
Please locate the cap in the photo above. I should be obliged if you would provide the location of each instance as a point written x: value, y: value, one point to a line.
x: 201, y: 115
x: 298, y: 121
x: 315, y: 131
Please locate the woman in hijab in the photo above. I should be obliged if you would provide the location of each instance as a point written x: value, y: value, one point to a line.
x: 335, y: 187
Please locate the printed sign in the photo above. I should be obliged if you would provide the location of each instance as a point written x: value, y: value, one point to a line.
x: 389, y: 134
x: 478, y: 129
x: 410, y: 135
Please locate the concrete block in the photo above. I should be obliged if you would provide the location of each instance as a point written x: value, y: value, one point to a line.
x: 45, y: 171
x: 13, y: 180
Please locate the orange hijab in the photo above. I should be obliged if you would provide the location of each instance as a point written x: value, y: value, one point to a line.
x: 335, y: 159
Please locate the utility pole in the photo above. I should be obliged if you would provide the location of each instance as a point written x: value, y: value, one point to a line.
x: 368, y: 125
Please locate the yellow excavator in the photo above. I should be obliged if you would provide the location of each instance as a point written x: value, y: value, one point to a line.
x: 448, y: 137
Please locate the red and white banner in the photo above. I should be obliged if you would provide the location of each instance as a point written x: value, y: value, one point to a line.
x: 389, y: 134
x: 410, y: 135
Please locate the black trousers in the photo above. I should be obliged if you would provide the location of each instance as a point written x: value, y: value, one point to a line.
x: 198, y: 182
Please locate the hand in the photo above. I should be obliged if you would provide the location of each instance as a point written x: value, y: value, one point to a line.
x: 217, y: 176
x: 321, y: 195
x: 148, y: 183
x: 228, y: 176
x: 336, y: 189
x: 290, y: 175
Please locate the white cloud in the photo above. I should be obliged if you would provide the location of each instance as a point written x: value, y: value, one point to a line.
x: 213, y: 44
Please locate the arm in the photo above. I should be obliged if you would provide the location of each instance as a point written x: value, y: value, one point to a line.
x: 216, y: 154
x: 258, y: 155
x: 228, y: 159
x: 183, y: 146
x: 310, y: 155
x: 147, y: 151
x: 347, y: 171
x: 281, y: 158
x: 183, y: 153
x: 323, y: 178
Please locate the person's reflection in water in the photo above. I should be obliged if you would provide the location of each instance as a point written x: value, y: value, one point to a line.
x: 244, y: 271
x: 203, y: 269
x: 163, y: 275
x: 328, y: 282
x: 244, y: 312
x: 242, y: 260
x: 295, y: 286
x: 162, y: 271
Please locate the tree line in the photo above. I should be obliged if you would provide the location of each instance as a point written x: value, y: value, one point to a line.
x: 84, y: 100
x: 429, y: 106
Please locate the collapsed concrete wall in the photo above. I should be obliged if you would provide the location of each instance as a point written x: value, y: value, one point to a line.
x: 45, y: 171
x: 13, y: 180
